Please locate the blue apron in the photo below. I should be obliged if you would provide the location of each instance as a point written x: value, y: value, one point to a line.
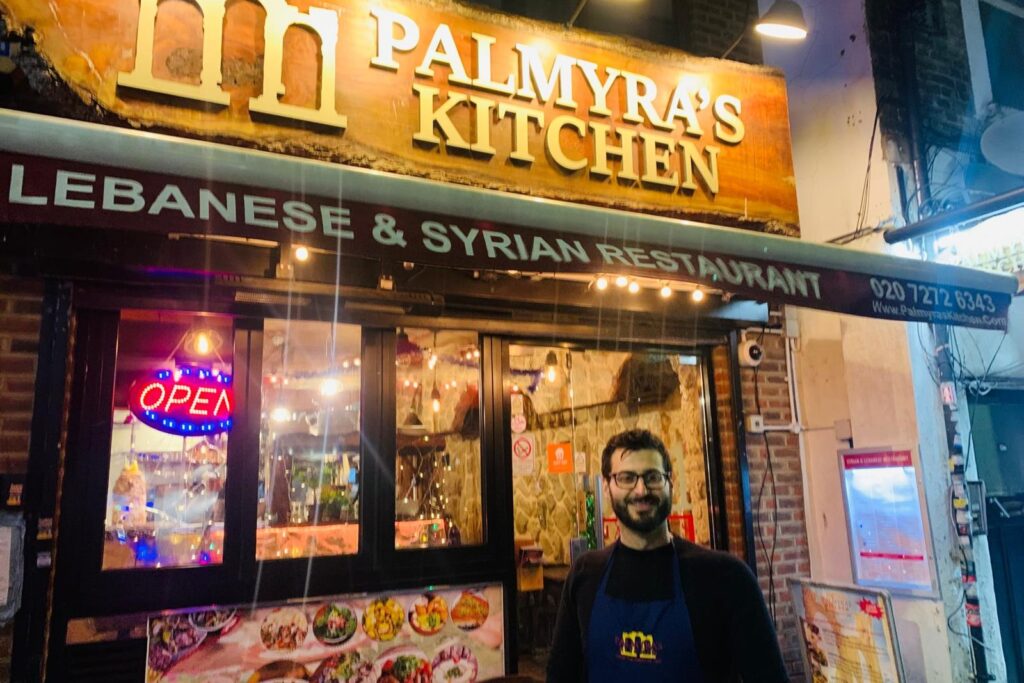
x: 641, y: 641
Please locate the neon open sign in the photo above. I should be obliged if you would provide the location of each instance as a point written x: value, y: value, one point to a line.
x: 188, y: 401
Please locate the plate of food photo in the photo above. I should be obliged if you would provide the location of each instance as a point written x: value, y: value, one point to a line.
x: 334, y: 623
x: 339, y: 668
x: 280, y: 671
x: 213, y: 620
x: 402, y: 665
x: 171, y: 639
x: 383, y: 619
x: 428, y: 614
x: 470, y: 610
x: 454, y: 662
x: 284, y: 629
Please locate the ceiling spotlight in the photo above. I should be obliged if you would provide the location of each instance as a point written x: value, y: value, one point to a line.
x: 621, y: 281
x: 281, y: 414
x: 697, y: 295
x: 665, y: 291
x: 301, y: 254
x: 634, y: 287
x: 601, y: 283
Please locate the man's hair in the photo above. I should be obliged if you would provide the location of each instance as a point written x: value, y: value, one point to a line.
x: 633, y: 440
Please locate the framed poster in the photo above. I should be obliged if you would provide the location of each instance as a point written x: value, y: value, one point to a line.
x: 848, y: 633
x: 889, y: 541
x: 443, y: 634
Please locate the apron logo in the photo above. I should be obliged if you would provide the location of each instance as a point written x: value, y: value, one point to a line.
x: 637, y: 646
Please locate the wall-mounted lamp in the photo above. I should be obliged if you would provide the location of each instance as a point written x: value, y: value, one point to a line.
x: 551, y: 366
x: 784, y: 20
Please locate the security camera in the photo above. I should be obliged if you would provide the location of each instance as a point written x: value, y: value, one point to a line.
x: 751, y: 353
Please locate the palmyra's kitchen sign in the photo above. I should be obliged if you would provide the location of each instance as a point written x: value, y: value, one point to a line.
x: 439, y: 90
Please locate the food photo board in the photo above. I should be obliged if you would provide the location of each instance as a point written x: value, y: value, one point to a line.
x: 443, y: 635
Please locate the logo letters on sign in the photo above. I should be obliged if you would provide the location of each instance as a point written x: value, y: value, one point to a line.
x: 280, y: 17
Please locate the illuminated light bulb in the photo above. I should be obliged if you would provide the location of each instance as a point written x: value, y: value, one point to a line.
x: 329, y: 387
x: 551, y: 374
x: 665, y: 291
x: 515, y: 388
x: 345, y: 365
x: 634, y: 287
x: 621, y: 281
x: 433, y: 361
x: 203, y: 345
x: 280, y: 414
x: 301, y: 254
x: 357, y: 362
x: 407, y: 384
x: 469, y: 355
x: 601, y: 283
x: 476, y: 353
x: 698, y: 295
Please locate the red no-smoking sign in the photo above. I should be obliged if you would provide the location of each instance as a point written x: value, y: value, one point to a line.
x: 522, y: 447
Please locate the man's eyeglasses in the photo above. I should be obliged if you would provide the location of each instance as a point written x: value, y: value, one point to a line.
x: 653, y: 479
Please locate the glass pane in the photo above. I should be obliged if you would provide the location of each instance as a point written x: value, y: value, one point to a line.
x: 173, y: 402
x: 309, y: 440
x: 607, y: 392
x: 437, y: 464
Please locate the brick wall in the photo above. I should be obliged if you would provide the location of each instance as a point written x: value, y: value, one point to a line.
x: 783, y: 508
x: 709, y: 27
x: 935, y: 30
x: 20, y: 310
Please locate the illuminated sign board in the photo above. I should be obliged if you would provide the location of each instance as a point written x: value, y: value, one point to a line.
x: 189, y: 401
x: 442, y: 90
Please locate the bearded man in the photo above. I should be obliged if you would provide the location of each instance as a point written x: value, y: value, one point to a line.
x: 653, y: 606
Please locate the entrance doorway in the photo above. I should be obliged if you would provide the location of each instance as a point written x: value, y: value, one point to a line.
x: 565, y: 404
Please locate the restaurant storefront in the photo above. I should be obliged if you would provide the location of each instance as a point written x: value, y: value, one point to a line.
x: 331, y: 347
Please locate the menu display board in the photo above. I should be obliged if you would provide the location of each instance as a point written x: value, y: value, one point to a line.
x: 888, y: 542
x: 848, y: 633
x: 444, y: 635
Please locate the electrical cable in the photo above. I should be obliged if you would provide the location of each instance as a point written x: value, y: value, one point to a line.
x: 768, y: 476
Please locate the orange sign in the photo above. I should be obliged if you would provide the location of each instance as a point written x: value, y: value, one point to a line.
x: 441, y: 90
x: 560, y: 458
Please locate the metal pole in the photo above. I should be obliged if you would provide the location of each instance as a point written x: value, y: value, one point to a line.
x: 576, y: 13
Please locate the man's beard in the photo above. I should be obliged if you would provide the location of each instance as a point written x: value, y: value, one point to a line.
x: 649, y: 521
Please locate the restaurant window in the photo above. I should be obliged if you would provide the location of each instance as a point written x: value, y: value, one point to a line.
x: 172, y: 411
x: 437, y: 461
x: 1004, y: 48
x: 309, y: 479
x: 565, y: 406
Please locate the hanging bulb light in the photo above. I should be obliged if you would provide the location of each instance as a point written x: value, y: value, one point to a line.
x: 698, y: 295
x: 203, y: 343
x: 435, y: 399
x: 634, y: 286
x: 432, y: 361
x: 301, y: 254
x: 551, y: 366
x: 281, y: 414
x: 621, y: 281
x: 666, y: 291
x: 601, y: 283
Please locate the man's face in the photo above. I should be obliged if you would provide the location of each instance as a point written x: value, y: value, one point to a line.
x: 640, y: 508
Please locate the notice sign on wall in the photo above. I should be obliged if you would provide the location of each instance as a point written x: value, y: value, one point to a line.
x: 888, y: 542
